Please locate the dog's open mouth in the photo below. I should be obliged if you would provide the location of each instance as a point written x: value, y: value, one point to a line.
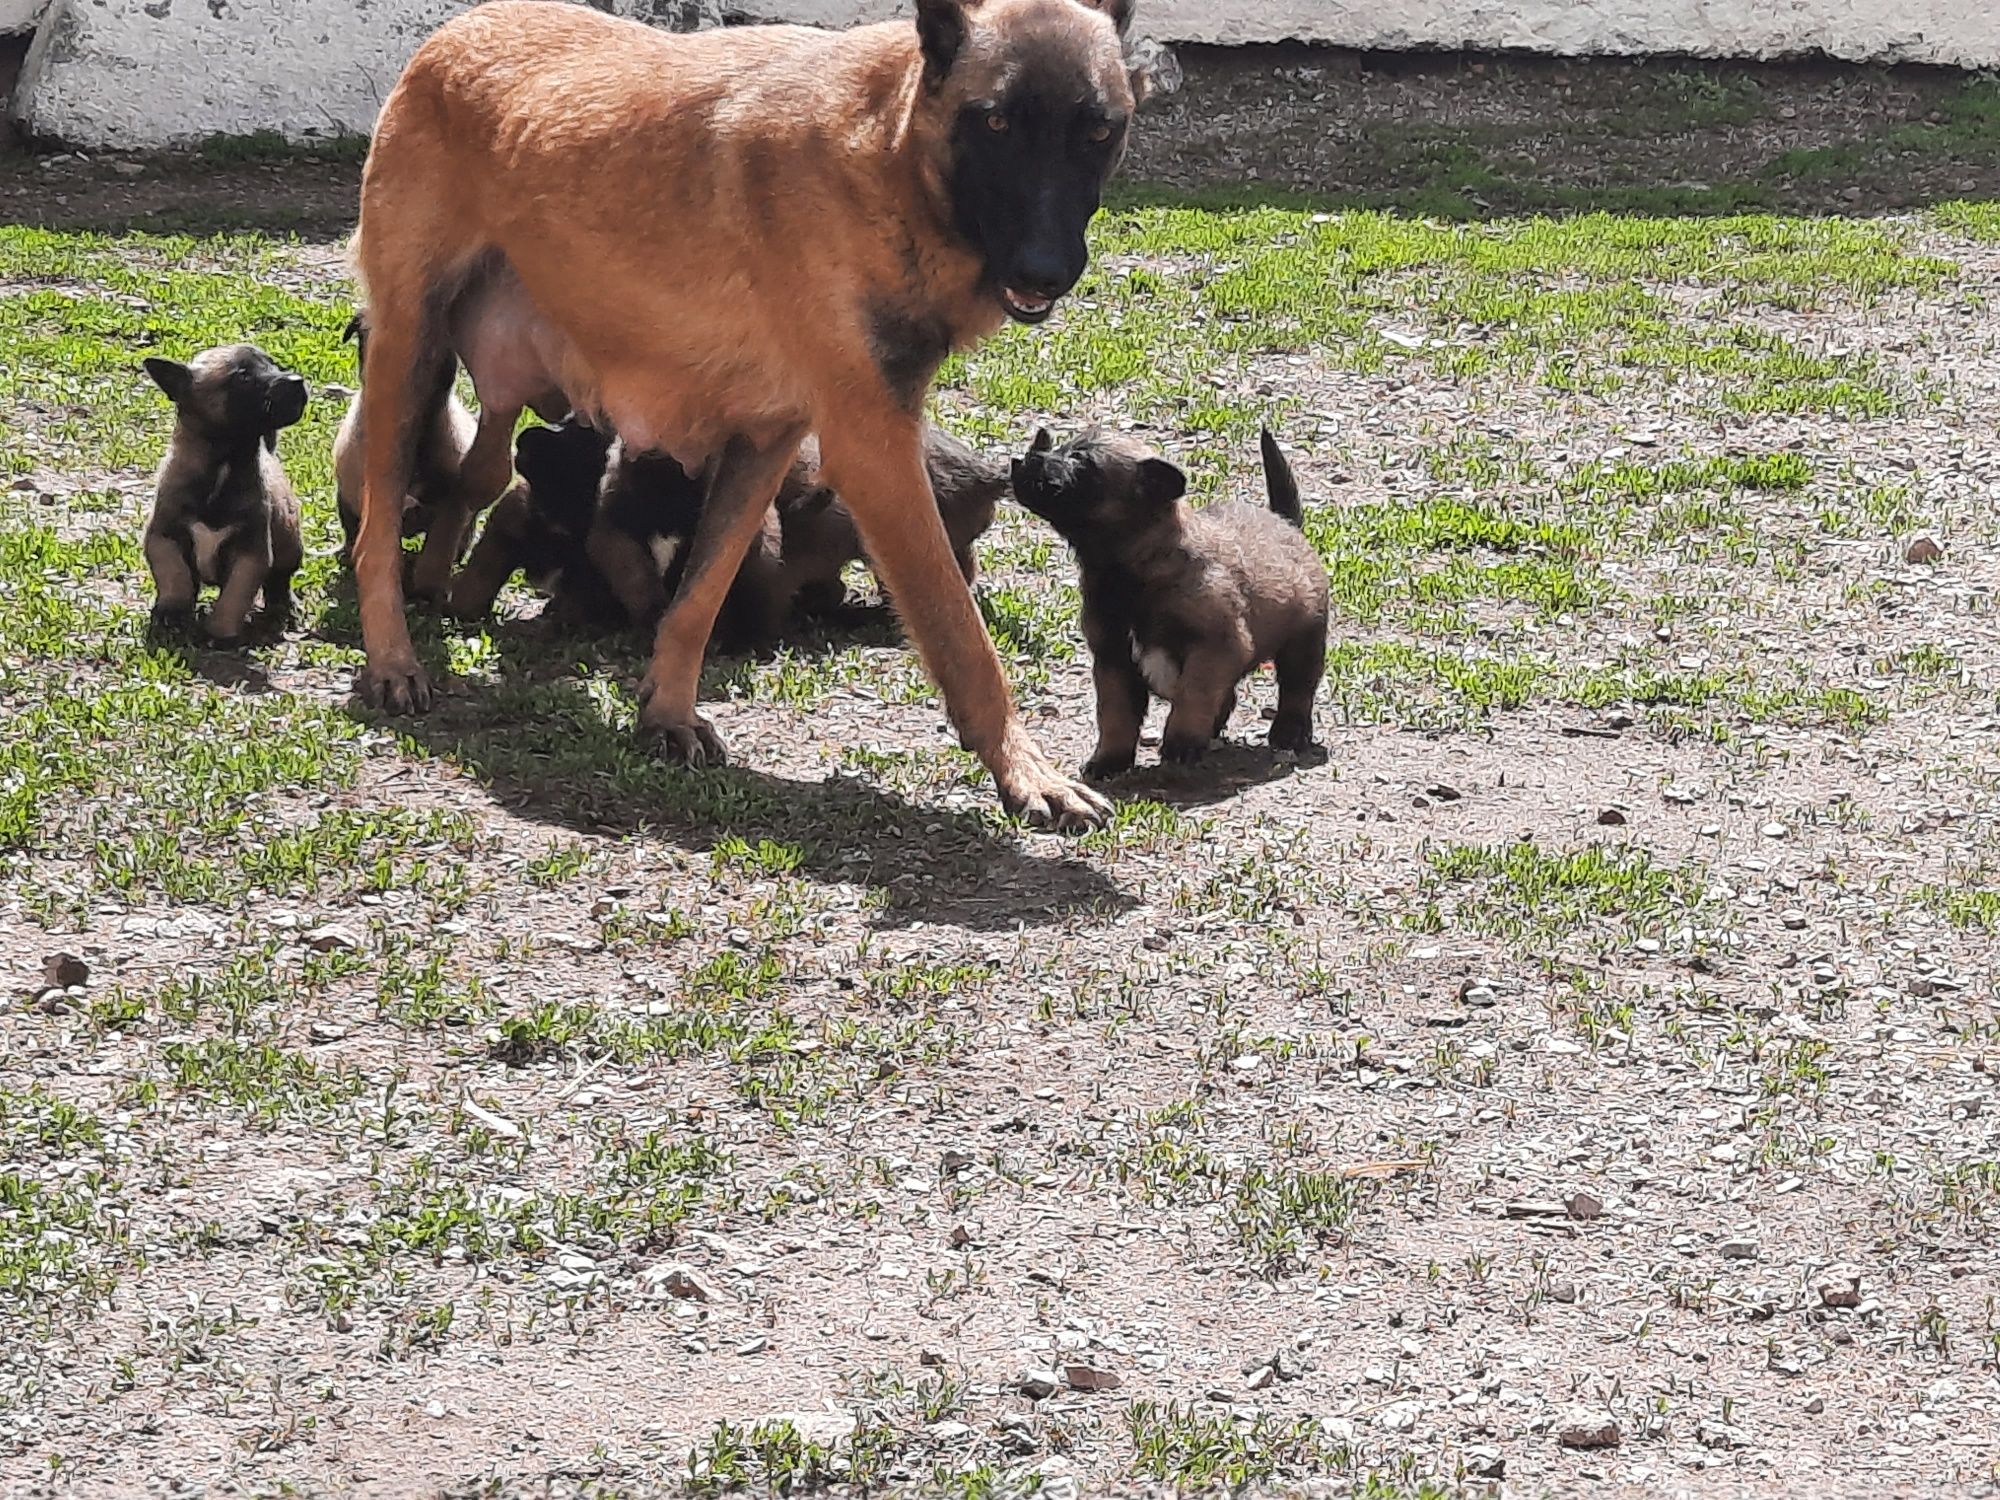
x: 1024, y: 307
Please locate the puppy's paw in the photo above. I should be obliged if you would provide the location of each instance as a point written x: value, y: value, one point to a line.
x: 1107, y: 763
x: 1293, y: 734
x: 398, y: 685
x: 170, y: 621
x: 1182, y: 750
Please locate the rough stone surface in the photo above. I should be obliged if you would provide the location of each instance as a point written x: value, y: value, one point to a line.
x: 132, y: 75
x: 17, y: 16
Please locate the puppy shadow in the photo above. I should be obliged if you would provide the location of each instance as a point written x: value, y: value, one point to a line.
x: 223, y: 666
x: 1227, y: 771
x: 544, y: 749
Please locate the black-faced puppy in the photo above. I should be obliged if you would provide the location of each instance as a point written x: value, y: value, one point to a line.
x: 225, y: 513
x: 647, y: 516
x: 541, y: 526
x: 821, y: 539
x: 1180, y: 602
x: 443, y: 437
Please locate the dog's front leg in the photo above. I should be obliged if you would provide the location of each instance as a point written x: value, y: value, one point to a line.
x: 741, y: 489
x: 876, y: 463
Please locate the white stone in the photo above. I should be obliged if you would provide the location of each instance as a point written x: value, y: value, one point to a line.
x: 141, y: 75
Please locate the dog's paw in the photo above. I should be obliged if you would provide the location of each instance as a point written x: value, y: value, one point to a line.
x: 398, y: 686
x: 1293, y: 734
x: 1182, y: 750
x: 695, y: 744
x: 1035, y: 791
x: 1106, y: 764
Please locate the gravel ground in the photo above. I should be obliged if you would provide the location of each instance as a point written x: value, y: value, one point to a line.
x: 1582, y: 1082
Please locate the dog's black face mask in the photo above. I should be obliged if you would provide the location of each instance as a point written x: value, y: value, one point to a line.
x: 1038, y: 96
x: 1028, y: 172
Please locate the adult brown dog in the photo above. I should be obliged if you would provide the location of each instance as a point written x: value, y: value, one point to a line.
x: 714, y: 243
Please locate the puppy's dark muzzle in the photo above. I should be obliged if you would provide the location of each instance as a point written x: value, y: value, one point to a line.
x: 286, y: 402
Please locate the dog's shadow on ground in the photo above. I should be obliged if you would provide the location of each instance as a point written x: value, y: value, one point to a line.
x: 542, y: 741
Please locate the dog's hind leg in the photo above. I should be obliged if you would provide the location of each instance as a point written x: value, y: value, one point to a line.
x: 872, y: 455
x: 1299, y: 664
x: 742, y: 486
x: 1207, y: 684
x: 404, y: 345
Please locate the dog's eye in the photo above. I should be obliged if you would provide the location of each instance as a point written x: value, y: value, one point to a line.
x: 1097, y: 135
x: 997, y: 123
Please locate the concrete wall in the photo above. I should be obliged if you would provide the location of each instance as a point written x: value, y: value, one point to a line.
x: 137, y: 73
x: 16, y: 16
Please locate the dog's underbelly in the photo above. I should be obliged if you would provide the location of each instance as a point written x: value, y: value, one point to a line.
x: 208, y: 544
x: 684, y: 391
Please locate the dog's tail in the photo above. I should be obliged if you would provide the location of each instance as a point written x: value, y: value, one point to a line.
x: 1279, y: 483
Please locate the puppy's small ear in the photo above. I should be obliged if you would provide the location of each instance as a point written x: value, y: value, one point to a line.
x: 171, y: 376
x: 1042, y: 441
x: 941, y: 28
x: 1120, y: 12
x: 1160, y: 483
x: 352, y: 331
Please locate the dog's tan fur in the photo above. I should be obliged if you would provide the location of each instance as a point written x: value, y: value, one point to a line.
x: 791, y: 265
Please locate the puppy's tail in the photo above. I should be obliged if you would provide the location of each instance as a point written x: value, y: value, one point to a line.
x: 1279, y: 482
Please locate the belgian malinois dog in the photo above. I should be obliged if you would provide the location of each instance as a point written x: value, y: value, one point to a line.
x: 225, y: 514
x: 1182, y: 603
x: 824, y: 217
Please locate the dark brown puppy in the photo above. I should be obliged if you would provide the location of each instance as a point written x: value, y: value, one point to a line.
x: 444, y: 436
x: 605, y: 535
x: 841, y: 210
x: 541, y: 526
x: 1180, y: 602
x: 821, y: 539
x: 647, y: 519
x: 225, y: 513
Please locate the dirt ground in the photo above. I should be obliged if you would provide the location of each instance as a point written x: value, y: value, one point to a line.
x: 1581, y: 1082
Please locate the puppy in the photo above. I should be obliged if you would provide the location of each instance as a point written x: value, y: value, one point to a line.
x: 443, y: 438
x: 225, y: 513
x: 541, y: 525
x: 645, y: 529
x: 605, y: 534
x: 821, y: 539
x: 1182, y: 602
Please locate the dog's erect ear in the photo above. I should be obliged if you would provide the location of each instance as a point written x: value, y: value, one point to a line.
x: 1160, y: 483
x: 941, y: 28
x: 1120, y: 12
x: 171, y: 376
x: 1042, y: 441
